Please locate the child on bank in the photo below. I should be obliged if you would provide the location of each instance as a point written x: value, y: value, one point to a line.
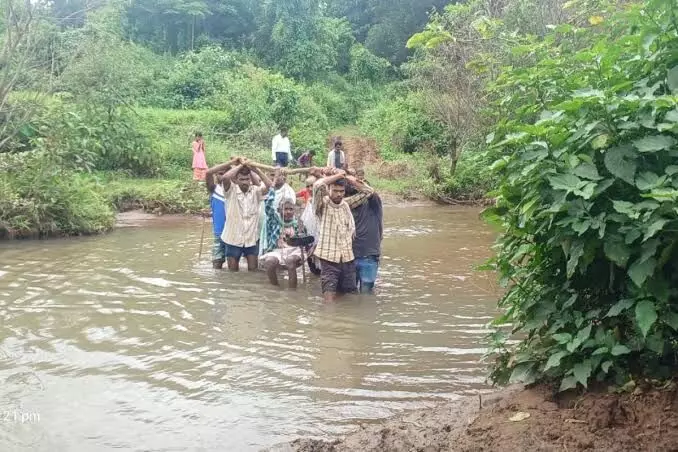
x: 199, y: 161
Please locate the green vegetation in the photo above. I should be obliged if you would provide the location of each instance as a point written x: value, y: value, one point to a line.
x: 565, y: 112
x: 588, y: 199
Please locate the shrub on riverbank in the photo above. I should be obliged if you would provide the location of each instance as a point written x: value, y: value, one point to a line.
x: 41, y: 199
x: 589, y: 202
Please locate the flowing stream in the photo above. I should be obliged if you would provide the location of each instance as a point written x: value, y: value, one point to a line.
x: 127, y: 342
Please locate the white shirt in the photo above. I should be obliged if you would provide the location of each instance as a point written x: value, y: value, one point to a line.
x: 330, y: 158
x: 242, y: 216
x: 280, y: 144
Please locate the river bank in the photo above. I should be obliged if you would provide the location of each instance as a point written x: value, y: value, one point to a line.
x: 520, y: 419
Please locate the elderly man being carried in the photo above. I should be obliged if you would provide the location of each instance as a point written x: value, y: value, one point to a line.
x: 281, y: 225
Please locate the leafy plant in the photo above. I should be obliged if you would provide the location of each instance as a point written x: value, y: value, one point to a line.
x: 589, y: 201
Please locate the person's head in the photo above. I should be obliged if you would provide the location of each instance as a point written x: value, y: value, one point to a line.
x: 244, y: 179
x: 198, y: 135
x: 279, y: 180
x: 284, y: 131
x: 287, y: 207
x: 337, y: 191
x: 311, y: 153
x: 360, y: 174
x: 338, y: 145
x: 350, y: 171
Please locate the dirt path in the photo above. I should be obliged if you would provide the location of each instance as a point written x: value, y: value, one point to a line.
x: 517, y: 419
x: 360, y: 151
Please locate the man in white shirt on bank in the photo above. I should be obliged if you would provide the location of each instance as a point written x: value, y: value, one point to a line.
x: 281, y: 152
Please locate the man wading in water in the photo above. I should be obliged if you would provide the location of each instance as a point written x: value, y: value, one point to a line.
x: 241, y: 232
x: 336, y: 231
x: 369, y: 232
x: 218, y: 208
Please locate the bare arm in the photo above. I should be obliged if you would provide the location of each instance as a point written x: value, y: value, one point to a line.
x: 227, y: 178
x: 364, y: 193
x: 298, y: 171
x: 264, y: 178
x: 328, y: 180
x: 211, y: 185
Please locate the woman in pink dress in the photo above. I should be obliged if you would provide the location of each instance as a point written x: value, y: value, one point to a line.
x: 199, y: 161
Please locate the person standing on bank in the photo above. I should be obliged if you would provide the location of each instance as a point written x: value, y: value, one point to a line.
x: 281, y: 152
x: 337, y: 158
x: 336, y: 229
x: 199, y: 161
x: 369, y: 232
x: 241, y: 232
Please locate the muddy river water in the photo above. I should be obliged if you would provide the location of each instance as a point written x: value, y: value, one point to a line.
x: 127, y: 342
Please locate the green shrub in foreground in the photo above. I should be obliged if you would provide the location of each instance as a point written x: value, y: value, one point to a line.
x: 589, y: 203
x: 40, y: 199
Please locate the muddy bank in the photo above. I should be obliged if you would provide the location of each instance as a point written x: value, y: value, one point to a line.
x: 516, y: 419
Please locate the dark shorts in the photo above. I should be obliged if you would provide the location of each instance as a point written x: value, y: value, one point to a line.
x: 366, y: 272
x: 281, y: 159
x: 337, y: 278
x: 237, y: 252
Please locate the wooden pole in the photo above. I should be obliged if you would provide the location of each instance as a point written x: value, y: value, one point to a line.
x: 202, y: 237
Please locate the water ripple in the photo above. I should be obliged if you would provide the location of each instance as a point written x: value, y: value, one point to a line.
x: 127, y: 341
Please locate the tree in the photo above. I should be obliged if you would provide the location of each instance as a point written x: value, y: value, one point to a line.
x: 20, y: 42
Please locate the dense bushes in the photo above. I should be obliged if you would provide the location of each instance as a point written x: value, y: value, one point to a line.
x: 401, y: 125
x: 40, y: 198
x: 589, y: 202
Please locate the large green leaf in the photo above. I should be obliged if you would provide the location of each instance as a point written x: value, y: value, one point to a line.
x: 568, y: 383
x: 562, y: 338
x: 672, y: 79
x: 576, y: 252
x: 654, y: 143
x: 568, y: 182
x: 619, y: 350
x: 554, y: 360
x: 671, y: 319
x: 619, y: 307
x: 617, y: 252
x: 647, y: 181
x: 655, y: 227
x: 626, y: 208
x: 646, y: 316
x: 620, y: 162
x: 641, y: 270
x: 587, y: 171
x: 582, y: 372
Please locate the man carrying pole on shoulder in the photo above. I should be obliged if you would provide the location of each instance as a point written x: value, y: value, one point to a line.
x: 336, y: 229
x: 241, y: 232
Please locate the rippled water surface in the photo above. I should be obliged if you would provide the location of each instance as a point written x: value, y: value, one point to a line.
x: 126, y: 341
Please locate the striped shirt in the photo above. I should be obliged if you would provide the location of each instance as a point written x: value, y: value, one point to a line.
x: 242, y: 216
x: 336, y: 225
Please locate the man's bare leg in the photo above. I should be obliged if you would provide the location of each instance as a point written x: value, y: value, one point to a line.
x: 330, y: 297
x: 252, y: 263
x: 271, y: 265
x: 292, y: 263
x: 233, y: 264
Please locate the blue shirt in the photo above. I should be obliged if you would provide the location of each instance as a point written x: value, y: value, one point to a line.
x: 218, y: 206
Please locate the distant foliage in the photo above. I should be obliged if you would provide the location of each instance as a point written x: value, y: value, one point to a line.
x: 589, y: 201
x: 401, y: 125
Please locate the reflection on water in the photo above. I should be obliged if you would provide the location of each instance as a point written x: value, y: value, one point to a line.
x: 127, y: 342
